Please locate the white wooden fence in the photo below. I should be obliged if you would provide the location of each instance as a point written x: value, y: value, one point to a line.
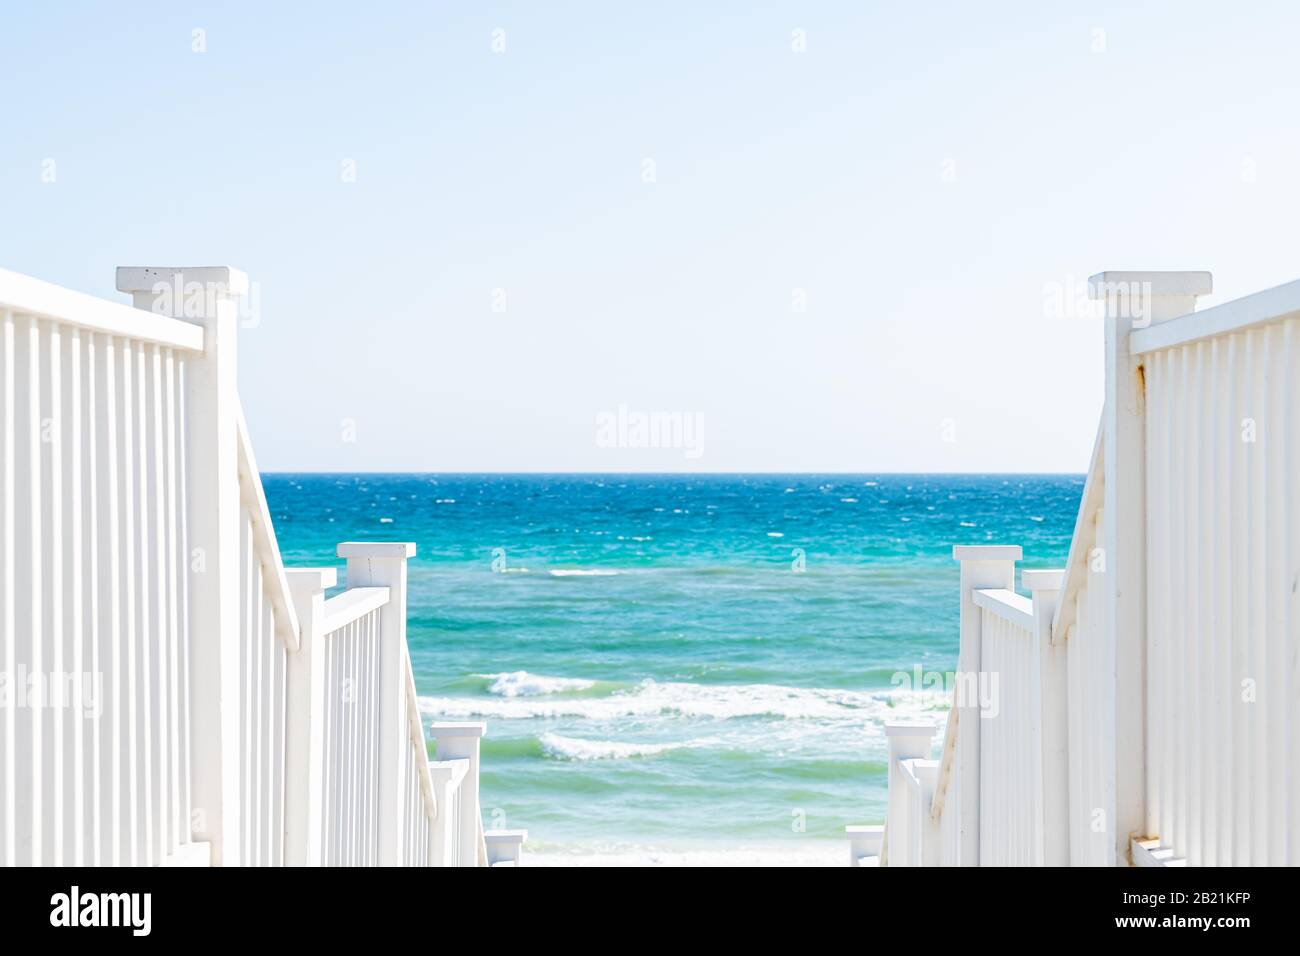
x: 1223, y: 613
x: 171, y: 693
x: 1143, y: 705
x: 1010, y: 824
x: 95, y: 606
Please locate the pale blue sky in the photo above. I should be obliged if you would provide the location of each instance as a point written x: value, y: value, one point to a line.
x: 1176, y: 147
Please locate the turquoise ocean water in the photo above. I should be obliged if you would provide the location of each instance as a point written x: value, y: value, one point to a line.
x: 679, y: 667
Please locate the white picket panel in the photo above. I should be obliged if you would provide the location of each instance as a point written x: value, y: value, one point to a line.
x: 1011, y: 814
x: 95, y: 620
x: 338, y: 680
x: 1223, y: 435
x: 158, y: 682
x: 350, y: 836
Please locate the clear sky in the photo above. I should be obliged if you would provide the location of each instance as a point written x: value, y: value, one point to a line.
x: 926, y: 180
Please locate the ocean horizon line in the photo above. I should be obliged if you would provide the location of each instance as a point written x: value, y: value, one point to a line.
x: 685, y: 474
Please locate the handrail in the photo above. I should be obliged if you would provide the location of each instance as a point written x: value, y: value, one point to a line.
x: 1008, y: 605
x: 1082, y: 540
x: 1259, y: 308
x: 419, y: 742
x: 254, y: 499
x: 946, y: 760
x: 342, y: 609
x: 24, y: 294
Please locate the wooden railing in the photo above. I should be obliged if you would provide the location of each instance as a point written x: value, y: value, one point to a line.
x: 364, y: 790
x: 1140, y: 706
x: 268, y: 630
x: 914, y: 839
x: 352, y: 693
x: 996, y: 795
x: 175, y: 695
x: 1010, y: 817
x: 95, y: 602
x: 1222, y: 437
x: 459, y: 839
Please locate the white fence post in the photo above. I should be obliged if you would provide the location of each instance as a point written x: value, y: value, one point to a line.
x: 445, y: 832
x: 206, y: 296
x: 982, y: 566
x: 457, y: 740
x: 1133, y: 300
x: 907, y: 741
x: 383, y: 564
x: 927, y: 847
x: 304, y: 771
x: 1052, y: 778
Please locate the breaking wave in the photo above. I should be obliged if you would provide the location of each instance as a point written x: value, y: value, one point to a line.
x: 522, y: 696
x: 525, y: 684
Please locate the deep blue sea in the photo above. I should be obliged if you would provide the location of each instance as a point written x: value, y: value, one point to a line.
x: 679, y: 668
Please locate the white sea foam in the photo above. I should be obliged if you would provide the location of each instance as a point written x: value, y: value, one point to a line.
x: 650, y: 699
x: 573, y: 748
x: 524, y: 684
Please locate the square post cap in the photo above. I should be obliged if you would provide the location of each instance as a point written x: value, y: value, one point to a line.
x: 223, y: 279
x: 1042, y: 580
x: 1154, y: 283
x: 986, y: 552
x: 376, y: 549
x: 458, y: 728
x: 311, y: 580
x: 914, y: 729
